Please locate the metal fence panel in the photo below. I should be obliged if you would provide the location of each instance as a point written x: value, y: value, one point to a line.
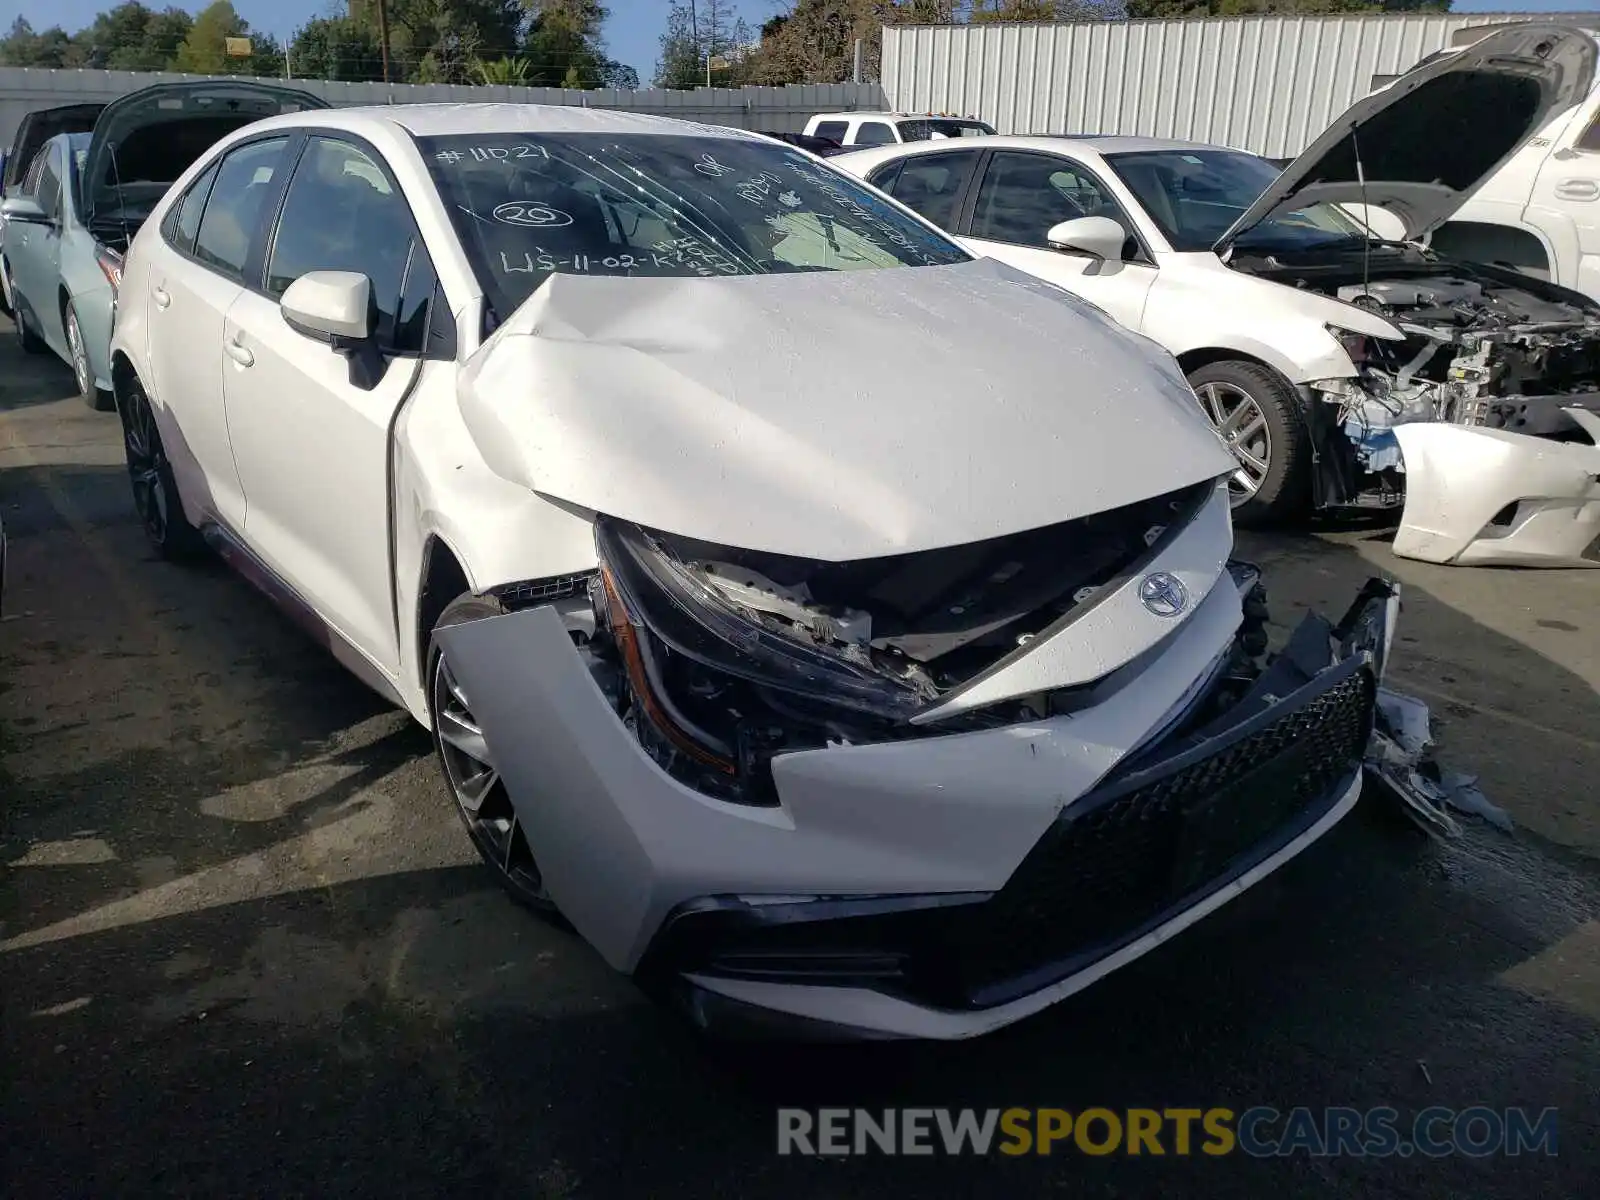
x: 774, y: 109
x: 1265, y: 83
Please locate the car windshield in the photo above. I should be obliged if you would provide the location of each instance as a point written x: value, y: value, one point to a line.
x: 527, y: 206
x: 927, y: 128
x: 1195, y: 196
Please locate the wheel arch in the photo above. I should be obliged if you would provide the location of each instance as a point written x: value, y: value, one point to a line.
x: 443, y: 578
x: 1205, y: 356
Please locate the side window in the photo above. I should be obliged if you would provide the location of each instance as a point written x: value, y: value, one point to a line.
x: 344, y: 213
x: 875, y: 133
x: 411, y: 319
x: 930, y: 184
x: 833, y: 130
x: 49, y: 191
x: 30, y: 181
x: 884, y: 177
x: 184, y: 220
x: 233, y: 210
x: 1589, y: 139
x: 1023, y: 195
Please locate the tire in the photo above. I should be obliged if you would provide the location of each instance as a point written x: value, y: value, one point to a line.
x: 1277, y: 440
x: 5, y: 291
x: 30, y: 341
x: 99, y: 401
x: 484, y: 807
x: 155, y: 492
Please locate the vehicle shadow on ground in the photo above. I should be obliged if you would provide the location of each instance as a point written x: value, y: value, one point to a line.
x: 31, y: 380
x: 414, y: 1031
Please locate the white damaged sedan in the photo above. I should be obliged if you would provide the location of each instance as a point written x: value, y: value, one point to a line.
x: 838, y: 630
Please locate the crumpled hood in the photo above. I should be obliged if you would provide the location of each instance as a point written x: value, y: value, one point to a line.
x: 1430, y: 139
x: 835, y: 415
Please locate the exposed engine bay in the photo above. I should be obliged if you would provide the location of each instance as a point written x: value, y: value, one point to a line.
x: 718, y: 659
x: 1484, y: 346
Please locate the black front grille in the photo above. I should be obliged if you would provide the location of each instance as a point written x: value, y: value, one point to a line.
x: 1139, y: 847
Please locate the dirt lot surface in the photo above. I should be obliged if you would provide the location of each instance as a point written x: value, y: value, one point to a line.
x: 246, y: 950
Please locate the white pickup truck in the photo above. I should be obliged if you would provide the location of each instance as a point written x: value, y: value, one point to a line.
x: 1540, y: 212
x: 882, y: 129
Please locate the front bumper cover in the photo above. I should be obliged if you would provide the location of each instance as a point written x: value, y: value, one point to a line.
x: 1164, y: 840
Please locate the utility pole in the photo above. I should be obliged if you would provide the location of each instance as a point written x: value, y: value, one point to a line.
x: 711, y: 39
x: 694, y: 33
x: 383, y: 35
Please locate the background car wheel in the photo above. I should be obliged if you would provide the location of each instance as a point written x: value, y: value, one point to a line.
x: 5, y: 290
x: 1259, y: 413
x: 474, y: 783
x: 81, y: 370
x: 155, y: 493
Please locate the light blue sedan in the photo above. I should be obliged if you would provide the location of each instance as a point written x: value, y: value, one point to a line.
x: 62, y: 281
x: 86, y: 194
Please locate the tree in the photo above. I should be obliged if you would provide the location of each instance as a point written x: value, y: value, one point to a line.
x: 22, y: 47
x: 204, y: 50
x: 336, y: 48
x: 712, y: 37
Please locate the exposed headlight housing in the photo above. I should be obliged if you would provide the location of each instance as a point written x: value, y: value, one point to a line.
x: 690, y: 659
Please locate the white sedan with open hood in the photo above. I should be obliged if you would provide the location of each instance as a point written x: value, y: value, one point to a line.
x: 834, y: 627
x: 1343, y: 369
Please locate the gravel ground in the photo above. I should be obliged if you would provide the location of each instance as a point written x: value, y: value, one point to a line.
x: 246, y: 949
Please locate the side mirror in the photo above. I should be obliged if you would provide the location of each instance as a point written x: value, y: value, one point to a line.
x: 336, y: 307
x: 24, y: 209
x: 1098, y: 237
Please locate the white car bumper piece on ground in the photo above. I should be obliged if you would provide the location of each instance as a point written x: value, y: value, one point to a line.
x: 1485, y: 497
x: 837, y: 629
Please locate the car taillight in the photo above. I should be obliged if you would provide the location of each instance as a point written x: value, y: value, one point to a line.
x: 110, y: 264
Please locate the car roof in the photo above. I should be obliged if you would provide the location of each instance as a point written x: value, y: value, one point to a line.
x: 433, y: 120
x: 893, y: 116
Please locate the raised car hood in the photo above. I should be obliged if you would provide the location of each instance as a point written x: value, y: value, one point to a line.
x: 836, y: 415
x: 1430, y: 139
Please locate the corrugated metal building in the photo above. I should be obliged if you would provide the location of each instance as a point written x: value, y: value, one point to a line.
x: 776, y: 109
x: 1267, y: 84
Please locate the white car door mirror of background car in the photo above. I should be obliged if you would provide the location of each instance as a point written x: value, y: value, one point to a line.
x: 1100, y: 237
x: 24, y: 209
x: 336, y: 307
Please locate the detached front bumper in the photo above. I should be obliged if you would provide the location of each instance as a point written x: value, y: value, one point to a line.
x: 1489, y: 497
x: 939, y: 887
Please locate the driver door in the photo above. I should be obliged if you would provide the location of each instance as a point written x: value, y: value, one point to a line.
x: 311, y: 437
x: 1021, y: 195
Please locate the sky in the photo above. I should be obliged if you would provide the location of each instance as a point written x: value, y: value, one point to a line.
x: 633, y: 31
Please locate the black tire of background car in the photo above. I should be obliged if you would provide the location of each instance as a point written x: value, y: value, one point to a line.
x: 171, y: 534
x: 1285, y: 493
x: 95, y: 398
x: 31, y: 342
x: 464, y: 608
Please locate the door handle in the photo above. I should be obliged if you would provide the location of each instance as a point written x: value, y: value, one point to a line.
x: 163, y: 297
x: 1578, y: 189
x: 239, y: 354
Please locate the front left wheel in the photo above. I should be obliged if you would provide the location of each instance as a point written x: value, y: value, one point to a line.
x: 470, y: 773
x: 155, y: 492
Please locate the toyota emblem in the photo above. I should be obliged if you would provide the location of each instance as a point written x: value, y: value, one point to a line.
x: 1163, y: 594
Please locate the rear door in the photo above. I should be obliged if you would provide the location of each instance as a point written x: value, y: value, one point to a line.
x: 196, y: 271
x: 932, y: 185
x: 1022, y: 195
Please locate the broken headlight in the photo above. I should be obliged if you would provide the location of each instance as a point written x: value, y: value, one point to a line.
x: 713, y: 691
